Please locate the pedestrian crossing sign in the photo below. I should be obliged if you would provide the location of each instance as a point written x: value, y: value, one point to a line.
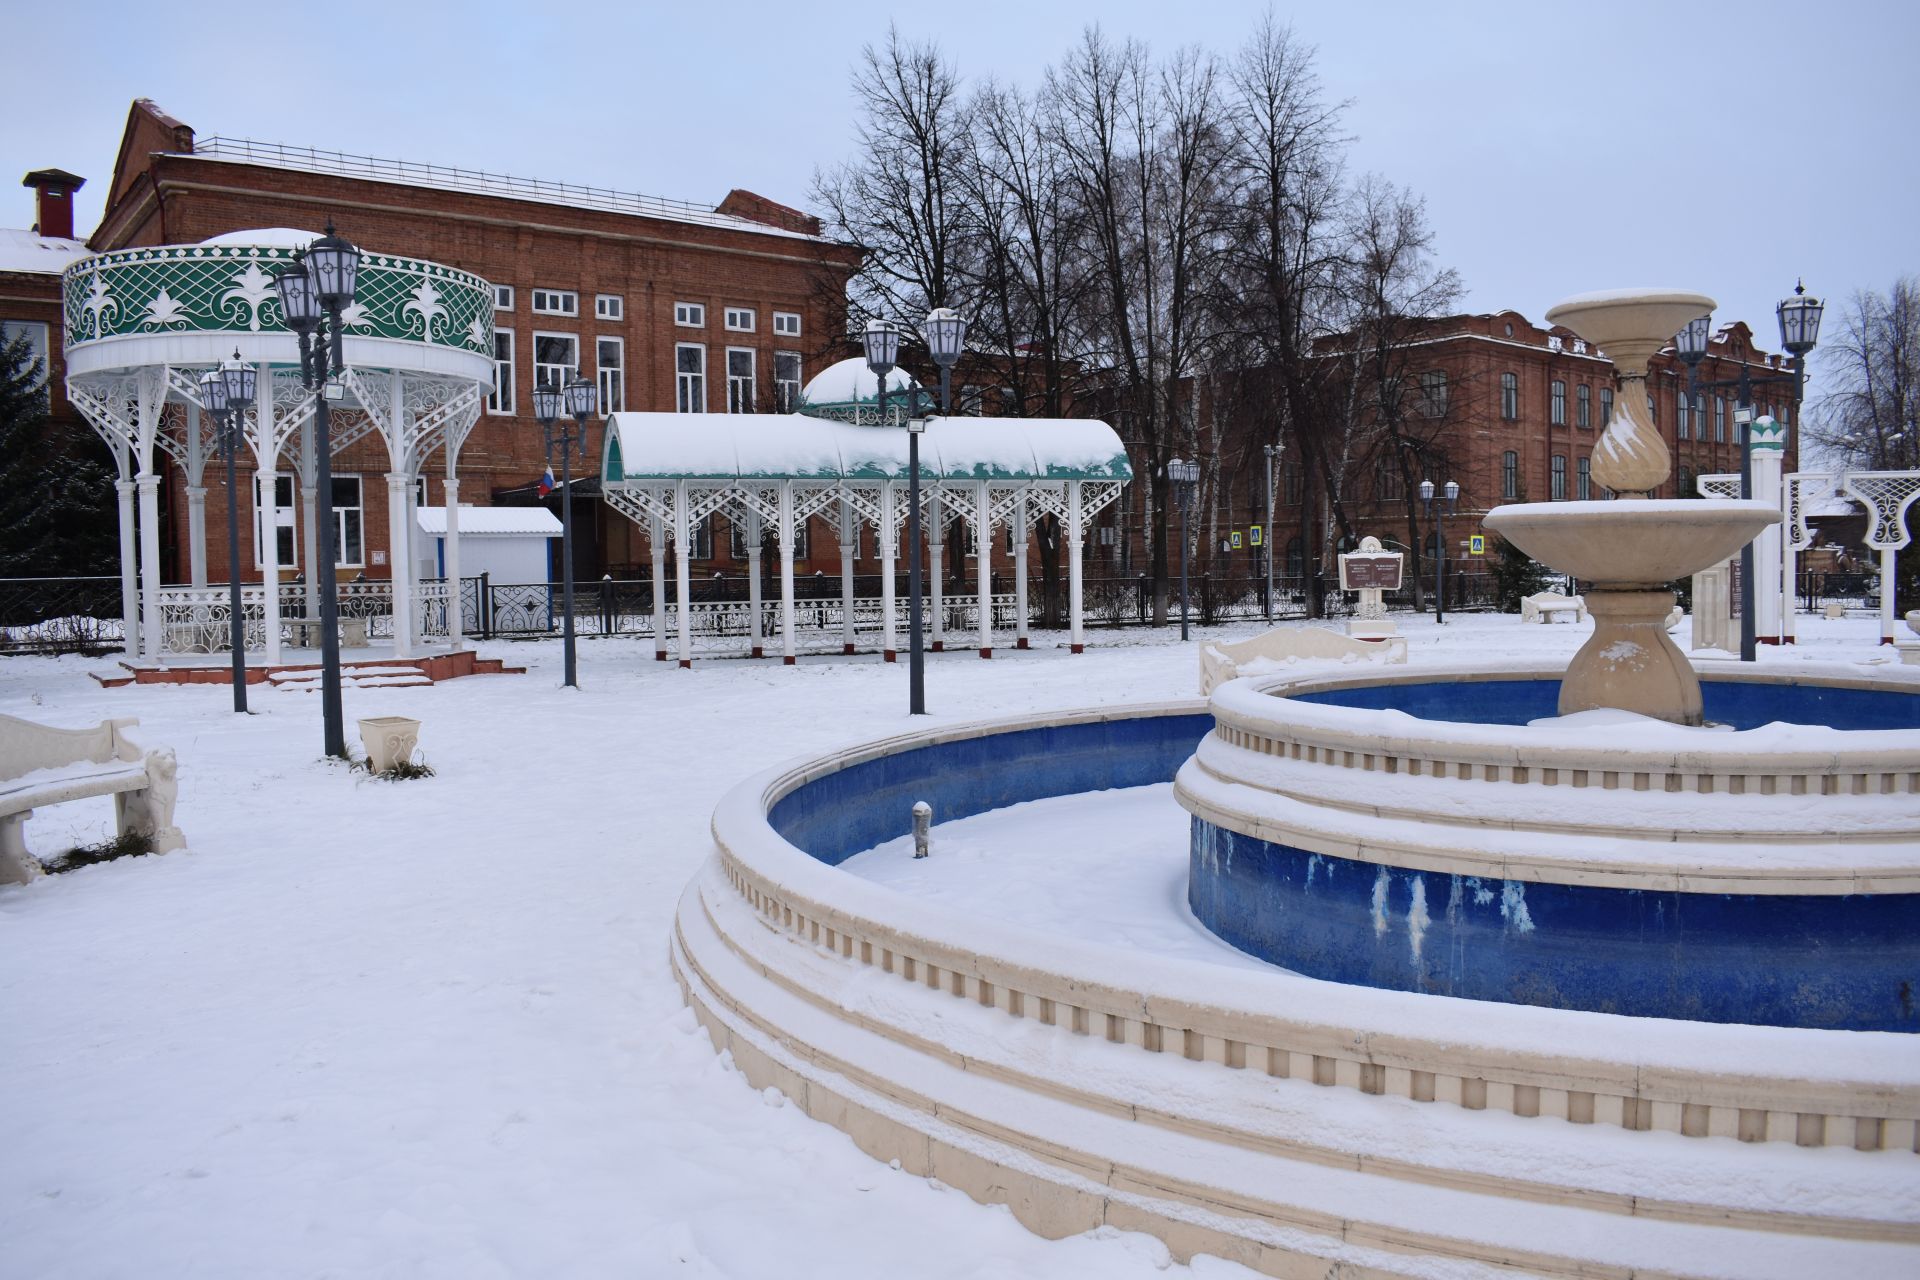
x: 1477, y: 545
x: 1253, y: 536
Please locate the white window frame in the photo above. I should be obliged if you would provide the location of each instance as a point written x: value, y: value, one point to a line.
x: 39, y: 337
x: 682, y: 379
x: 786, y: 324
x: 690, y: 315
x: 494, y: 398
x: 619, y: 381
x: 786, y: 391
x: 283, y: 517
x: 538, y: 334
x: 503, y: 297
x: 341, y: 513
x: 556, y: 302
x: 732, y: 315
x: 752, y: 380
x: 609, y: 306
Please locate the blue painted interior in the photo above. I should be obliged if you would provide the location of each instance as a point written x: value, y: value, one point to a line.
x: 1849, y: 963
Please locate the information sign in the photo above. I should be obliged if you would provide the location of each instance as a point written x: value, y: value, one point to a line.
x: 1369, y: 573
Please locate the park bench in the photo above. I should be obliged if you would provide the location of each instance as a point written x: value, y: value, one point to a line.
x: 1542, y: 606
x: 40, y: 766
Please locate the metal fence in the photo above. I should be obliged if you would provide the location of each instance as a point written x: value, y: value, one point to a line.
x: 60, y: 615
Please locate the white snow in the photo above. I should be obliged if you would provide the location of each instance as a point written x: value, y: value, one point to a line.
x: 485, y: 522
x: 267, y: 238
x: 427, y: 1028
x: 33, y: 253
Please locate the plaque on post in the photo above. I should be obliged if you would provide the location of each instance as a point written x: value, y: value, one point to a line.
x: 1372, y: 571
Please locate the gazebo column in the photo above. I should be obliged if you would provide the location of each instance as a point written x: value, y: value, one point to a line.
x: 848, y: 531
x: 399, y: 571
x: 150, y: 564
x: 787, y: 654
x: 889, y: 549
x: 983, y: 554
x: 456, y: 605
x: 306, y: 517
x: 267, y: 458
x: 1020, y: 571
x: 683, y: 570
x: 657, y: 553
x: 129, y: 570
x: 196, y: 501
x: 754, y: 604
x: 935, y: 527
x: 1076, y: 538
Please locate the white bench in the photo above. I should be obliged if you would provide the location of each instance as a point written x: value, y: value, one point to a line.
x: 1542, y: 606
x: 40, y: 766
x: 1277, y: 649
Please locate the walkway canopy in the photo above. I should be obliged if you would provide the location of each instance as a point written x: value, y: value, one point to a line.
x: 669, y: 472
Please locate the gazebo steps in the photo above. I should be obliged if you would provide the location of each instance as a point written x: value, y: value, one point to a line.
x: 379, y: 672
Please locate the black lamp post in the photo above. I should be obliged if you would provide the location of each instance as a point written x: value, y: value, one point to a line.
x: 550, y: 404
x: 1183, y: 476
x: 1266, y: 540
x: 1799, y: 333
x: 1438, y: 515
x: 882, y: 342
x: 225, y: 394
x: 314, y: 289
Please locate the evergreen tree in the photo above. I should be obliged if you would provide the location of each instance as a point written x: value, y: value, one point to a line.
x: 1516, y: 575
x: 57, y: 515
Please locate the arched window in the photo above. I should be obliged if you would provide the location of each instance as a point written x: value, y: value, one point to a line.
x: 1509, y: 396
x: 1296, y: 564
x: 1510, y: 475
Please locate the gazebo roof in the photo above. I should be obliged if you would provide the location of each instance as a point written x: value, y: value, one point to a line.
x: 643, y: 448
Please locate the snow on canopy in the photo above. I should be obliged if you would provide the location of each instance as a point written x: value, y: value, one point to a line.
x: 267, y: 238
x: 848, y: 384
x: 646, y: 448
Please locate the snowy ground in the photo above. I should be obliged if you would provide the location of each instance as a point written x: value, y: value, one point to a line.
x: 428, y: 1028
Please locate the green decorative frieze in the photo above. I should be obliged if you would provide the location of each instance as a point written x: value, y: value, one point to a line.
x: 230, y: 289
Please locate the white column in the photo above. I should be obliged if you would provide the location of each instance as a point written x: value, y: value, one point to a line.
x: 270, y: 561
x: 399, y: 571
x: 1767, y: 547
x: 849, y: 530
x: 785, y: 534
x: 1076, y: 634
x: 150, y: 566
x: 1886, y: 595
x: 934, y: 529
x: 683, y: 570
x: 1020, y: 571
x: 129, y: 569
x: 305, y: 516
x: 983, y: 555
x: 889, y: 536
x: 657, y: 552
x: 456, y: 610
x: 1789, y: 592
x: 754, y: 566
x: 197, y: 534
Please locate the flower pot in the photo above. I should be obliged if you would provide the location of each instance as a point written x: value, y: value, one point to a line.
x: 389, y: 740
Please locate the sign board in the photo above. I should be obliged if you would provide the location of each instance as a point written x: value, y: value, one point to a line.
x: 1362, y: 572
x: 1477, y: 545
x: 379, y: 557
x: 1236, y: 539
x: 1254, y: 536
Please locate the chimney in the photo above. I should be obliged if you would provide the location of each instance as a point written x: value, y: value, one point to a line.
x: 53, y: 201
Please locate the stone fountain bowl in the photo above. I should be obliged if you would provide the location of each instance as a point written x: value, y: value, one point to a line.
x: 1633, y: 542
x: 1631, y: 324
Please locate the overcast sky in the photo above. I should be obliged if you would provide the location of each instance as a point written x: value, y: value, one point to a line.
x: 1560, y: 147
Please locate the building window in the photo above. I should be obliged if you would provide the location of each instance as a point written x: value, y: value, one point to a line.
x: 1606, y: 405
x: 283, y: 520
x: 1686, y: 482
x: 1557, y: 408
x: 1509, y: 476
x: 1433, y: 392
x: 737, y: 539
x: 1296, y: 560
x: 348, y: 553
x: 501, y: 401
x: 1719, y: 419
x: 740, y: 319
x: 1510, y: 396
x: 556, y: 358
x: 740, y: 380
x: 1583, y: 406
x: 610, y: 363
x: 609, y: 306
x: 1558, y: 479
x: 1009, y: 403
x: 1682, y: 420
x: 786, y: 380
x: 690, y: 314
x: 786, y: 323
x: 1290, y: 484
x: 503, y: 297
x: 690, y: 377
x: 702, y: 532
x: 972, y: 399
x: 556, y: 302
x: 1583, y: 479
x: 37, y: 335
x: 1389, y: 485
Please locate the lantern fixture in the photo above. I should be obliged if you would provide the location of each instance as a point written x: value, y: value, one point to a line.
x: 334, y: 265
x: 299, y: 304
x: 882, y: 342
x: 213, y: 393
x: 549, y: 402
x: 1799, y: 321
x: 946, y: 336
x: 1691, y: 341
x: 1426, y: 492
x: 580, y: 398
x: 237, y: 380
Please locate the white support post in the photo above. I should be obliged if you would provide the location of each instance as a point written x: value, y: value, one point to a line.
x: 196, y: 501
x: 1768, y: 545
x: 785, y: 534
x: 683, y: 570
x: 400, y: 560
x: 150, y: 566
x: 1076, y: 537
x: 983, y: 555
x: 657, y: 553
x: 755, y: 605
x: 849, y: 530
x: 456, y: 602
x: 934, y: 528
x: 306, y: 516
x: 267, y: 459
x: 1789, y: 591
x: 889, y: 550
x: 1020, y: 571
x: 1886, y: 595
x: 129, y: 569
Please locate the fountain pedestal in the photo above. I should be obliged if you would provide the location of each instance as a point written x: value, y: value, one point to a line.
x: 1630, y: 662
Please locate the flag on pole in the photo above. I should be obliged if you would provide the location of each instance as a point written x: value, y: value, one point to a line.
x: 546, y: 481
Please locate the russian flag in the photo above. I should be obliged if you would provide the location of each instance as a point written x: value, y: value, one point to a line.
x: 546, y: 481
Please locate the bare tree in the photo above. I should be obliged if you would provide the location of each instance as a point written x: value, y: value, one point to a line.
x: 1871, y: 416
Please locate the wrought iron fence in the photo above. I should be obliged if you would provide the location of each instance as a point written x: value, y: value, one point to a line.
x: 60, y: 615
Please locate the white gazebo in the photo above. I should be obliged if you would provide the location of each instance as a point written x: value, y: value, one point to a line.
x: 143, y: 324
x: 843, y: 459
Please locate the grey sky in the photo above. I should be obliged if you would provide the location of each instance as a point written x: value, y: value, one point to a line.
x: 1561, y: 148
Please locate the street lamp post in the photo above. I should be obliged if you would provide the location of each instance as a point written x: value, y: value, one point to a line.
x: 1799, y: 333
x: 314, y: 289
x: 225, y: 394
x: 1184, y: 476
x: 1266, y: 540
x: 882, y: 343
x: 1438, y: 515
x: 550, y: 404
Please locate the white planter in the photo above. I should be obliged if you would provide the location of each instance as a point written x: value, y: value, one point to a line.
x: 389, y: 740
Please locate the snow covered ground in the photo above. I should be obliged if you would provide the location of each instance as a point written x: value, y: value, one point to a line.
x: 428, y: 1029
